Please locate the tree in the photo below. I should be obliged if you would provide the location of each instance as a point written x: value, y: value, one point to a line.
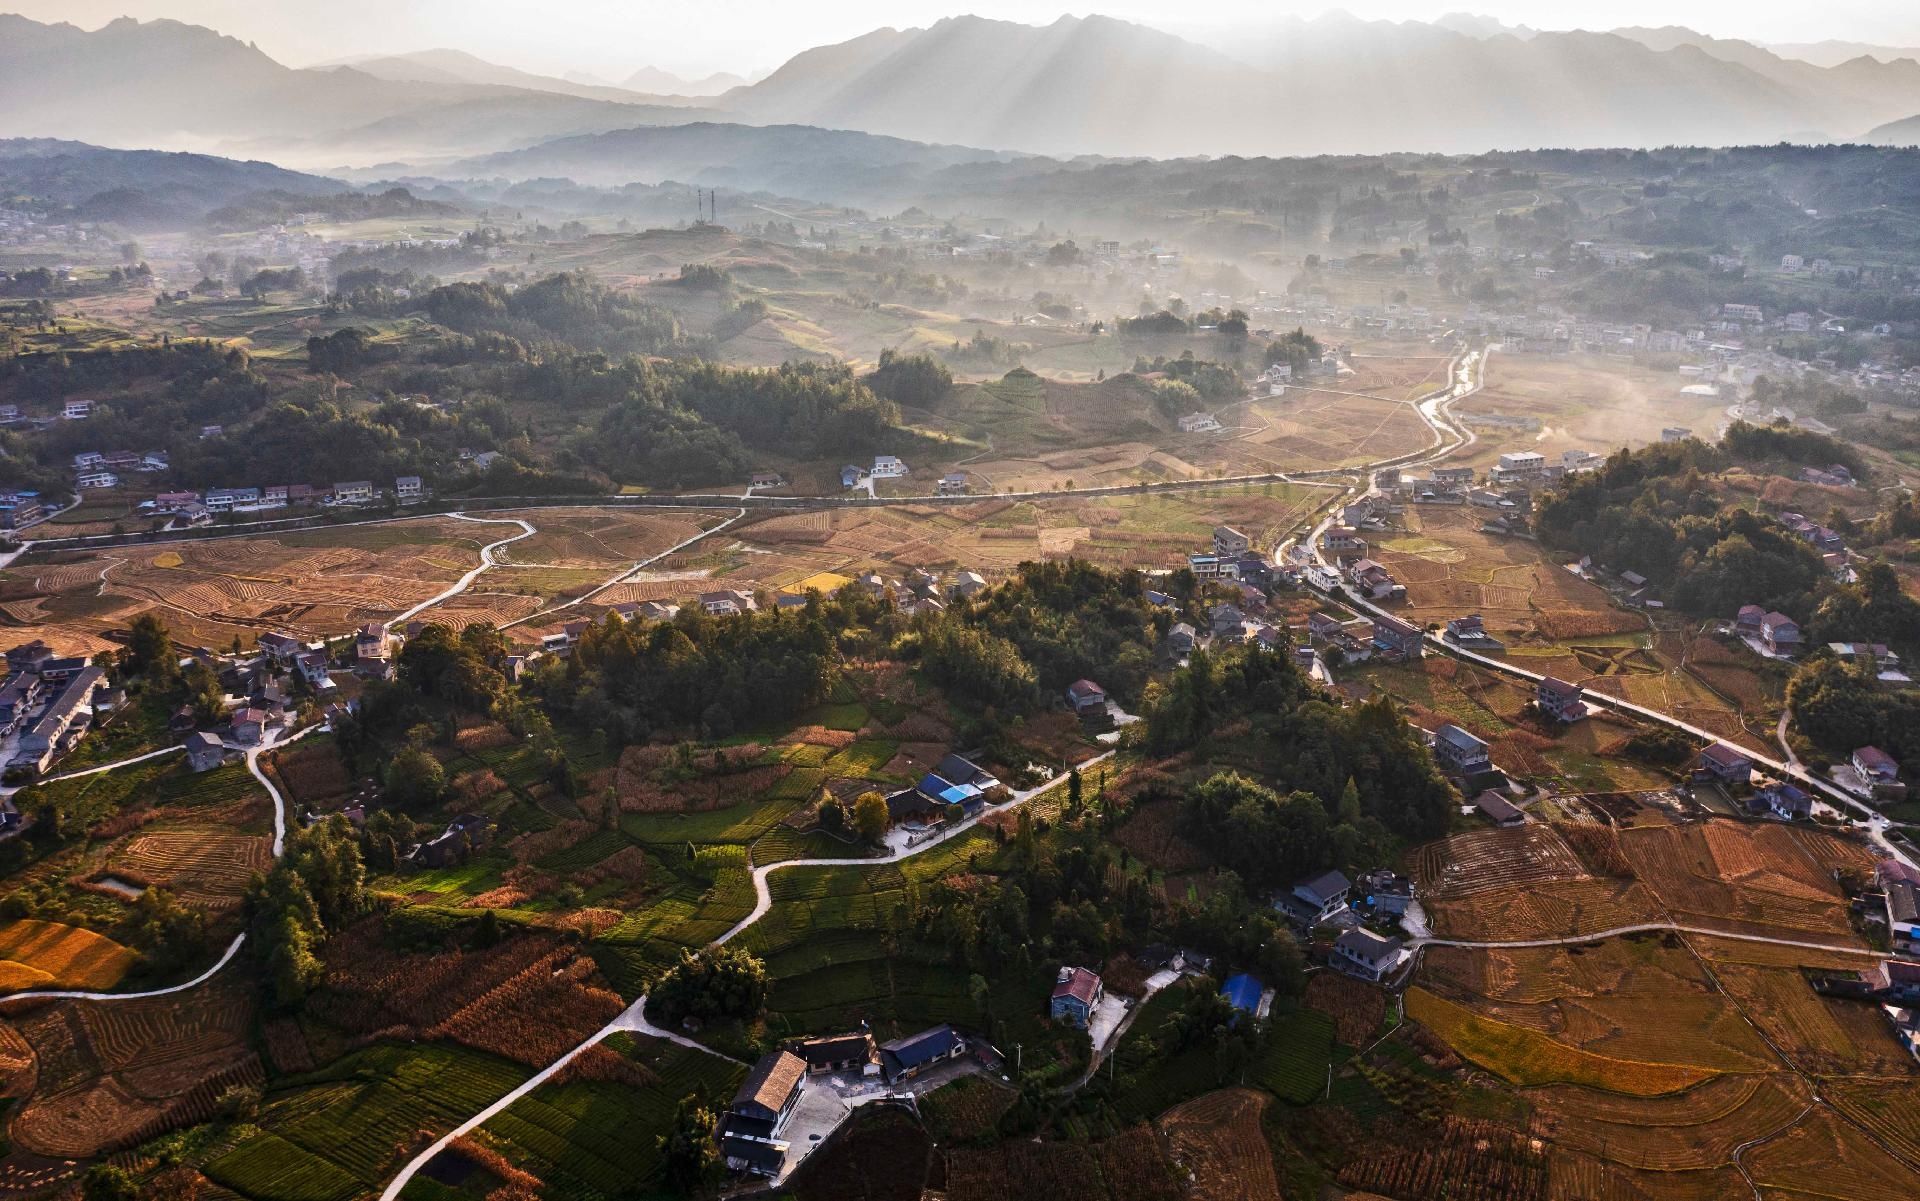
x: 149, y: 652
x: 106, y: 1182
x: 870, y: 816
x: 415, y: 779
x: 689, y: 1155
x: 714, y: 982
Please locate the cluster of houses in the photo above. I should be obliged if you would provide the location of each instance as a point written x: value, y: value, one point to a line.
x: 50, y: 701
x: 91, y: 469
x: 1832, y: 547
x: 1329, y: 899
x: 956, y: 787
x: 1362, y: 638
x: 195, y: 508
x: 752, y: 1133
x: 1232, y: 559
x: 885, y: 467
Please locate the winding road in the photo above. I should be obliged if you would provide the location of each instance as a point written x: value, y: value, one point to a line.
x: 1466, y: 374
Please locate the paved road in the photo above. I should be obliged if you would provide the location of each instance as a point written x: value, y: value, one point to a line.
x: 1644, y: 928
x: 634, y: 1017
x: 233, y: 948
x: 629, y: 572
x: 466, y: 581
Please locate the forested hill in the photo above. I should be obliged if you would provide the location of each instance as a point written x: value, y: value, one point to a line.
x: 138, y: 187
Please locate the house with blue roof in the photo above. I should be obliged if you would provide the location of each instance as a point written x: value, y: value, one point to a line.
x: 1243, y: 992
x: 905, y: 1058
x: 943, y: 791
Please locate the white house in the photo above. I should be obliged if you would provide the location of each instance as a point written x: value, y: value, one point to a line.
x: 1199, y: 423
x: 97, y: 479
x: 408, y: 487
x: 354, y: 492
x: 77, y: 410
x: 887, y: 467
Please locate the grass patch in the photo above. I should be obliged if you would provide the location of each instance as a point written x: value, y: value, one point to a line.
x: 1524, y: 1057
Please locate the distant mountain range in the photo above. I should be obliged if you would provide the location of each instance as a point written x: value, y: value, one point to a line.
x: 139, y: 188
x: 666, y: 83
x: 1078, y: 86
x: 183, y: 87
x: 842, y: 166
x: 1330, y: 85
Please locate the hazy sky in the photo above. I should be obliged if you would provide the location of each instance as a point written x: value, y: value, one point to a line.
x: 613, y: 38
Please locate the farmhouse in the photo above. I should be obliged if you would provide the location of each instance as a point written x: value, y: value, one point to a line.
x: 1077, y: 992
x: 96, y: 479
x: 1199, y: 423
x: 312, y: 666
x: 750, y: 1132
x: 1880, y: 772
x: 852, y: 1052
x: 1458, y: 752
x: 1229, y: 541
x: 961, y: 770
x: 1452, y: 479
x: 66, y: 717
x: 1372, y: 580
x: 1903, y: 913
x: 905, y: 1058
x: 1086, y: 697
x: 373, y: 642
x: 1210, y: 567
x: 1781, y: 634
x: 408, y: 488
x: 887, y: 467
x: 1498, y: 809
x: 1180, y: 640
x: 1396, y: 639
x: 954, y: 483
x: 1783, y: 799
x: 765, y: 479
x: 1316, y: 899
x: 1360, y: 952
x: 1244, y: 991
x: 1470, y: 633
x: 1342, y: 540
x: 1560, y: 700
x: 77, y: 410
x: 727, y: 602
x: 248, y: 724
x: 1747, y: 622
x: 353, y: 492
x: 204, y: 751
x: 1722, y: 763
x: 1387, y: 891
x: 1520, y: 465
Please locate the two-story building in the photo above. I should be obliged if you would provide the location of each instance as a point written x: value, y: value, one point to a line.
x: 1077, y: 992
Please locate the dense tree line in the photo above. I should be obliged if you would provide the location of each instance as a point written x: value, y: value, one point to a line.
x: 1366, y: 753
x: 1652, y: 511
x: 910, y: 379
x: 1841, y: 708
x: 573, y: 308
x: 311, y: 893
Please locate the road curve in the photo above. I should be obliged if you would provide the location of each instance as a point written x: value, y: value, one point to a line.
x: 466, y: 581
x: 634, y: 1017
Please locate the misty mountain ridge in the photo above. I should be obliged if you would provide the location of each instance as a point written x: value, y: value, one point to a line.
x: 1103, y: 86
x: 184, y: 87
x: 140, y: 188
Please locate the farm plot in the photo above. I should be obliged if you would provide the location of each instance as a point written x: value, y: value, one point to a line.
x: 1824, y: 1156
x: 1890, y: 1109
x: 1739, y: 877
x: 601, y: 539
x: 38, y: 954
x: 1695, y: 1129
x: 206, y: 868
x: 1451, y: 569
x: 1219, y: 1140
x: 1643, y: 999
x: 594, y: 1133
x: 339, y: 1133
x: 113, y: 1073
x: 1818, y: 1034
x: 318, y: 583
x: 1491, y: 860
x: 1523, y: 1056
x: 1467, y: 1158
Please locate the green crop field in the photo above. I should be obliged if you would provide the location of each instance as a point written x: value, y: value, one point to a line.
x: 588, y: 1140
x: 1292, y: 1063
x: 332, y: 1135
x: 736, y: 823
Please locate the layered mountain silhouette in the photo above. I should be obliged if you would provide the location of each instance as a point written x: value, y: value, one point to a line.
x: 1078, y: 86
x: 139, y: 187
x: 184, y: 87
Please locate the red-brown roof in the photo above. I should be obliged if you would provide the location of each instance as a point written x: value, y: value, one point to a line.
x: 1080, y: 984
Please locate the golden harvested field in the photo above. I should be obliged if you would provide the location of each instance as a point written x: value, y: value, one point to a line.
x: 316, y: 583
x: 1218, y: 1138
x: 35, y: 954
x: 600, y: 539
x: 1451, y: 569
x: 206, y: 868
x: 1817, y: 1033
x: 1581, y: 403
x: 1888, y: 1108
x: 1823, y: 1156
x: 1641, y: 998
x: 1522, y: 1056
x: 1562, y: 909
x: 1695, y: 1129
x: 1491, y: 860
x: 784, y: 551
x: 1738, y: 876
